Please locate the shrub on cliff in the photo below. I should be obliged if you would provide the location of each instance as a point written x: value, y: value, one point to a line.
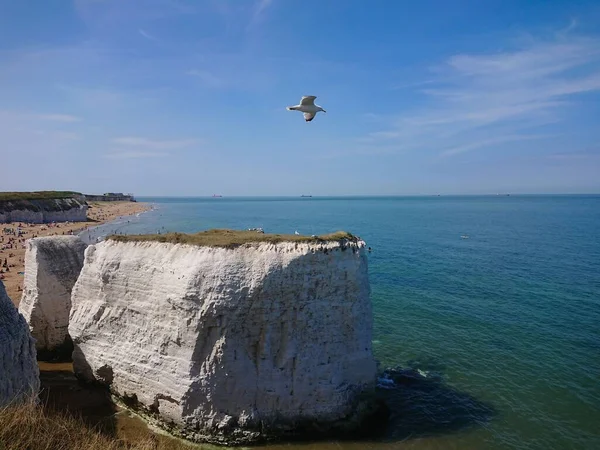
x: 230, y: 238
x: 37, y: 195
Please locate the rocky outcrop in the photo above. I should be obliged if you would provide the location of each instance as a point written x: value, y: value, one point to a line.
x: 229, y: 345
x: 43, y: 210
x: 52, y: 265
x: 19, y: 373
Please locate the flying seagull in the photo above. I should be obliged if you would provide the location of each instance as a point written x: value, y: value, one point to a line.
x: 308, y: 107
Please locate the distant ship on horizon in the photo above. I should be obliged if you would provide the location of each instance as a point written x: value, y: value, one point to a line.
x: 217, y: 195
x: 305, y: 195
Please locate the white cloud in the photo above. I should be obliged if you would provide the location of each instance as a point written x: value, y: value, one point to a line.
x: 480, y: 100
x: 146, y: 35
x: 59, y: 117
x: 27, y: 116
x: 154, y: 144
x: 93, y: 98
x: 66, y: 135
x: 206, y: 77
x: 489, y: 143
x: 135, y: 155
x: 56, y: 136
x: 33, y: 132
x: 258, y: 11
x: 576, y: 156
x: 261, y: 6
x: 102, y: 12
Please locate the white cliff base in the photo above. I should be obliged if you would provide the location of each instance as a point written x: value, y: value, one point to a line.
x: 52, y: 265
x: 19, y: 373
x: 229, y: 345
x: 44, y: 211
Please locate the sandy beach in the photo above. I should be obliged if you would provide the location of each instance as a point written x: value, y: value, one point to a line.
x: 12, y: 246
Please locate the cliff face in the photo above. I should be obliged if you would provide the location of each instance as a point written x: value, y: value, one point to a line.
x: 52, y: 265
x: 43, y: 210
x: 230, y: 345
x: 19, y: 373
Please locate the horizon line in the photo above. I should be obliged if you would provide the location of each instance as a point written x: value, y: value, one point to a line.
x: 508, y: 194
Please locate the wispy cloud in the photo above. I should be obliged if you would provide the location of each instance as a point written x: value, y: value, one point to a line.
x: 480, y: 100
x: 101, y: 12
x: 59, y: 117
x: 147, y: 35
x: 155, y: 144
x: 64, y: 136
x: 490, y: 143
x: 261, y: 6
x: 64, y: 118
x: 576, y: 156
x: 258, y: 11
x: 92, y: 97
x: 135, y: 155
x: 67, y: 135
x: 206, y: 78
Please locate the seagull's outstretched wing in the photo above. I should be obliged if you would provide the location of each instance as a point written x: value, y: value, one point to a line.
x: 308, y: 100
x: 309, y: 116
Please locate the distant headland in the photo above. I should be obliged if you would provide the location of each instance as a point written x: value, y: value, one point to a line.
x: 25, y: 215
x: 110, y: 197
x: 52, y: 206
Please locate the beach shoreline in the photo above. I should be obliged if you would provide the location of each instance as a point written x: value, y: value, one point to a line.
x: 12, y: 244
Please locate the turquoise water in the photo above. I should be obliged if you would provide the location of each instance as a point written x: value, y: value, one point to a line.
x: 495, y: 299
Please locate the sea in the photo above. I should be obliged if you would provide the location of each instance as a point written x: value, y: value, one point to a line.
x: 487, y: 307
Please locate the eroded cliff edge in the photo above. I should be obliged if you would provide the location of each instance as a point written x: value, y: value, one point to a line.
x: 233, y: 343
x: 19, y: 373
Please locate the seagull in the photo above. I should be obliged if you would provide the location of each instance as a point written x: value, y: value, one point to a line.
x: 308, y: 107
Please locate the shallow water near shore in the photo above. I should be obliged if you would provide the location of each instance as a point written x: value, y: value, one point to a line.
x: 495, y: 300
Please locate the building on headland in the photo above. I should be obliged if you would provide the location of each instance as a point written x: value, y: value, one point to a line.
x: 110, y: 197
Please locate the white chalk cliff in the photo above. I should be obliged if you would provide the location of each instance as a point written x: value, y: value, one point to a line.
x: 52, y: 265
x: 229, y: 345
x: 19, y: 373
x: 43, y: 211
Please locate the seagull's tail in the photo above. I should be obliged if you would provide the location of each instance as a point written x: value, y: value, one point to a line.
x: 291, y: 108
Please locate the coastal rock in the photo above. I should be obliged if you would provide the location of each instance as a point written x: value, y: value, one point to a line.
x: 19, y: 373
x: 52, y: 265
x: 43, y: 210
x: 229, y: 345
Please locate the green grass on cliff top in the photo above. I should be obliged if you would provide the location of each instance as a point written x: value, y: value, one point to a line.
x: 229, y: 238
x: 36, y: 195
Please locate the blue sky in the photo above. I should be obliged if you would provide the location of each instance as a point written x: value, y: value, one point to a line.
x: 174, y: 97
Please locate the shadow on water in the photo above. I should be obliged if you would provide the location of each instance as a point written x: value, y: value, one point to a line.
x: 421, y: 404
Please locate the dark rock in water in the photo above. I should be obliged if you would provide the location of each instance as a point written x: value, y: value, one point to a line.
x: 421, y: 404
x: 409, y: 376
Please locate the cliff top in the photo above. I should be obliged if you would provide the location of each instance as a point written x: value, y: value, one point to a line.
x: 36, y: 195
x: 229, y: 238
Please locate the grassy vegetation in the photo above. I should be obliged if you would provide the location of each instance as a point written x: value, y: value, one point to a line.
x: 229, y: 238
x: 29, y: 426
x: 36, y: 195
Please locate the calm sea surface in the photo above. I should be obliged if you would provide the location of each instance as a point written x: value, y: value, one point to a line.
x: 496, y: 300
